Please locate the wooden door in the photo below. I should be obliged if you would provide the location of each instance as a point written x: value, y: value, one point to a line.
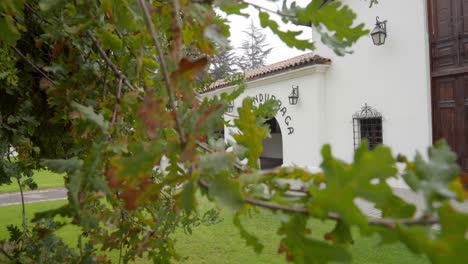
x: 448, y: 26
x: 450, y: 113
x: 444, y: 35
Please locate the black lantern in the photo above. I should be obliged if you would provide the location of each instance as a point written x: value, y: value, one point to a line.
x: 230, y: 107
x: 294, y: 96
x: 379, y: 34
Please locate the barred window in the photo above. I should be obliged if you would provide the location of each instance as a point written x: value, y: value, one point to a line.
x: 367, y: 124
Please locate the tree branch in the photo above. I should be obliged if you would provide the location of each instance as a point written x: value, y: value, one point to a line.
x: 387, y: 222
x: 117, y: 103
x: 32, y: 64
x: 23, y: 208
x: 231, y: 115
x: 276, y: 12
x: 34, y: 11
x: 104, y: 85
x: 206, y: 148
x: 162, y: 63
x: 109, y: 62
x: 239, y: 167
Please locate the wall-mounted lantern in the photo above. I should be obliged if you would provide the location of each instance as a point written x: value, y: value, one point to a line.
x: 230, y: 107
x: 379, y: 34
x: 294, y: 96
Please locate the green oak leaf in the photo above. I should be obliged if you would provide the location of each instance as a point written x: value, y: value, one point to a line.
x: 267, y: 109
x: 7, y: 171
x: 63, y: 165
x: 232, y: 8
x: 364, y: 178
x: 144, y: 156
x: 125, y: 17
x: 335, y: 22
x: 304, y: 250
x: 288, y: 37
x: 449, y: 245
x: 453, y: 238
x: 73, y: 185
x: 251, y: 134
x: 434, y: 176
x: 8, y: 31
x: 74, y: 176
x: 341, y: 234
x: 15, y: 233
x: 216, y: 162
x: 216, y: 169
x: 109, y: 40
x: 186, y: 199
x: 90, y: 115
x: 226, y: 190
x: 47, y: 5
x: 250, y: 239
x: 92, y: 166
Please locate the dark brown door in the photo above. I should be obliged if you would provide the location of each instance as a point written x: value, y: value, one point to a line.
x: 444, y: 37
x: 450, y: 113
x: 448, y: 26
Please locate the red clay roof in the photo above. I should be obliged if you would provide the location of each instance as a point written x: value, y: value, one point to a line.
x: 275, y: 68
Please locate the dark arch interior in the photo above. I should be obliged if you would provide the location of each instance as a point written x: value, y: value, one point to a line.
x: 272, y: 155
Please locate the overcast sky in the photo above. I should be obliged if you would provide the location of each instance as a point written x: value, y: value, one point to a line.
x: 280, y: 50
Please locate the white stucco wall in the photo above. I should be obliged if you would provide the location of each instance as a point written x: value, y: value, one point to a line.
x: 300, y: 147
x: 394, y: 79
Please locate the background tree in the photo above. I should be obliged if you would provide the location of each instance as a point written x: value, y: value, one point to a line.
x: 223, y: 63
x: 254, y: 49
x: 104, y: 91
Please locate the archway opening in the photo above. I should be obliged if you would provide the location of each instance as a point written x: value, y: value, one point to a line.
x: 272, y: 155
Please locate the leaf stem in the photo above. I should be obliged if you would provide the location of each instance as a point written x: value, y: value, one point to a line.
x: 117, y: 102
x: 162, y: 63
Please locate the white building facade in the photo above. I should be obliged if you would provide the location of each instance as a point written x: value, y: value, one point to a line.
x: 393, y: 80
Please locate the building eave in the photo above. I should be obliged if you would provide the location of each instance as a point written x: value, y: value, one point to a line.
x: 282, y: 76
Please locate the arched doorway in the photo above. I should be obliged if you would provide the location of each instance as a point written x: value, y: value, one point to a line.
x: 272, y: 155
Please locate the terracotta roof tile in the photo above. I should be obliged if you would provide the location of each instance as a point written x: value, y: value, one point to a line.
x: 275, y: 68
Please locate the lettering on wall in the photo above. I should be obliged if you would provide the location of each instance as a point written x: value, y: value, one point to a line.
x: 283, y: 110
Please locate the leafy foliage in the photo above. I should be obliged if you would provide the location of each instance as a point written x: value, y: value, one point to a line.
x: 434, y: 176
x: 105, y: 91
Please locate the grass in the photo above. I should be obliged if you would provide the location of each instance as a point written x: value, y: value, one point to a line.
x: 7, y: 213
x: 45, y: 180
x: 221, y: 243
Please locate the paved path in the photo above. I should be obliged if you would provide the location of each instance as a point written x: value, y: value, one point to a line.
x: 410, y: 197
x: 404, y: 193
x: 33, y: 196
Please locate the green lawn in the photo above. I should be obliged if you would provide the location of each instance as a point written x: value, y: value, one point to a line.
x: 45, y: 179
x: 221, y: 243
